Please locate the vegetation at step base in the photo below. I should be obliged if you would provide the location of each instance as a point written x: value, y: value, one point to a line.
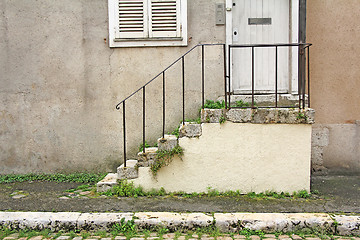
x: 147, y: 145
x: 221, y: 105
x: 271, y: 194
x: 58, y: 177
x: 222, y: 119
x: 214, y: 105
x: 85, y: 187
x: 164, y: 158
x: 127, y: 228
x: 301, y: 116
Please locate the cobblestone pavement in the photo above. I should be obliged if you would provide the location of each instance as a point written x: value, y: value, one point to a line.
x: 179, y: 236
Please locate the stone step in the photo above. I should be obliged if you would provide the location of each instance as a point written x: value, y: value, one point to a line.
x: 147, y: 158
x: 128, y: 172
x: 267, y: 99
x: 167, y: 143
x: 107, y: 183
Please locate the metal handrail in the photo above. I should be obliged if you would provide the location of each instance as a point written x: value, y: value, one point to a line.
x: 227, y: 81
x: 143, y: 88
x: 177, y: 60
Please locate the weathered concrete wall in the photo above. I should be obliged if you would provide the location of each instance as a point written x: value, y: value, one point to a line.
x: 333, y: 27
x: 238, y: 156
x: 60, y: 82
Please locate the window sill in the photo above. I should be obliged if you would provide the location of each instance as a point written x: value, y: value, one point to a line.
x: 148, y: 42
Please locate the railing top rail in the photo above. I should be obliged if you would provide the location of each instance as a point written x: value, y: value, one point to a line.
x: 270, y: 45
x: 177, y: 60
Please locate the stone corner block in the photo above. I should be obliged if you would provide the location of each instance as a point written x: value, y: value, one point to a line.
x: 190, y: 130
x: 167, y: 143
x: 128, y: 172
x: 145, y: 159
x: 239, y: 115
x: 107, y: 183
x: 212, y: 115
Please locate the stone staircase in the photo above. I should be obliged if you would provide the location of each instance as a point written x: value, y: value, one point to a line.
x: 145, y: 160
x: 139, y: 172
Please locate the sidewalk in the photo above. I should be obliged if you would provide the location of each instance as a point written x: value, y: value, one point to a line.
x: 337, y: 194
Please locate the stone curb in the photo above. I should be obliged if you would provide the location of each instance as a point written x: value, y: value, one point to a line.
x: 226, y: 222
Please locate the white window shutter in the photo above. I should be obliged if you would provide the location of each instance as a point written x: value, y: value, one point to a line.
x: 132, y: 17
x: 164, y: 18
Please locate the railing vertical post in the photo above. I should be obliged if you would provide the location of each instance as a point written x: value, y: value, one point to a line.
x: 124, y: 132
x: 224, y: 50
x: 183, y: 89
x: 276, y: 76
x: 308, y: 74
x: 144, y: 119
x: 163, y: 126
x: 202, y: 76
x: 252, y: 76
x: 299, y: 75
x: 229, y: 75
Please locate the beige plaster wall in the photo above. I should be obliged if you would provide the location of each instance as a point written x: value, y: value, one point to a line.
x: 333, y: 27
x: 238, y: 156
x: 60, y: 82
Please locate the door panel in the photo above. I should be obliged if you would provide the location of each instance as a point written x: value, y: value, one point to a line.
x: 262, y: 33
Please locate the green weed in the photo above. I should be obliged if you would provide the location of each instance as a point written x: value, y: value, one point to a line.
x: 59, y: 177
x: 164, y: 158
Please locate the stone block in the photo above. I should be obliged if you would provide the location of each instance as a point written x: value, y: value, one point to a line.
x: 145, y: 159
x: 167, y: 143
x: 320, y: 136
x: 212, y: 115
x: 264, y: 115
x: 239, y: 115
x: 107, y: 183
x: 128, y: 172
x: 190, y: 130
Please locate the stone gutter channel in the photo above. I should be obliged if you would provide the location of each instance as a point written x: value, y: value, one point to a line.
x: 225, y: 222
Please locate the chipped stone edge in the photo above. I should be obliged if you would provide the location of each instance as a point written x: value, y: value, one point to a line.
x: 226, y: 222
x: 260, y: 115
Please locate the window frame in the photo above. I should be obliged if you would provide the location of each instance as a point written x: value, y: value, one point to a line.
x: 181, y: 40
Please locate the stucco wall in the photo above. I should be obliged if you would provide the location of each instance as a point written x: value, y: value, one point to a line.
x: 333, y: 28
x: 60, y: 82
x: 257, y: 160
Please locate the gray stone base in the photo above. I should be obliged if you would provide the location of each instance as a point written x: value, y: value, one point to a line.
x: 167, y: 143
x: 107, y: 183
x: 128, y: 172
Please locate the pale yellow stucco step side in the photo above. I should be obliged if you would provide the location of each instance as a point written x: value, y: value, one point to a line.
x: 235, y: 156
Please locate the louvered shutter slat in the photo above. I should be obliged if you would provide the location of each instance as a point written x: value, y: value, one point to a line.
x: 164, y: 18
x: 132, y: 18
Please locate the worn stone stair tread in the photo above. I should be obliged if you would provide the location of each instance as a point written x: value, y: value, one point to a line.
x: 128, y: 172
x: 107, y: 183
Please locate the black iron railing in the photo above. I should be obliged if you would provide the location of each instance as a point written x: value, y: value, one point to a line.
x: 227, y: 62
x: 303, y: 68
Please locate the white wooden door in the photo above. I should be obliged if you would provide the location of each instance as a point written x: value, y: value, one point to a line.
x: 260, y: 22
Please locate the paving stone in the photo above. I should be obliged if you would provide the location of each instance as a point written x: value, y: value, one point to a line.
x: 18, y: 196
x: 195, y: 236
x: 208, y: 238
x: 85, y: 193
x: 153, y: 234
x: 137, y: 238
x: 296, y: 237
x: 169, y: 235
x: 239, y: 237
x: 255, y: 237
x: 224, y: 238
x: 269, y: 236
x: 36, y: 238
x: 77, y: 238
x: 106, y: 238
x: 151, y: 238
x: 8, y: 238
x: 181, y: 238
x: 312, y: 238
x: 120, y: 238
x: 283, y: 237
x: 63, y: 238
x: 23, y: 238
